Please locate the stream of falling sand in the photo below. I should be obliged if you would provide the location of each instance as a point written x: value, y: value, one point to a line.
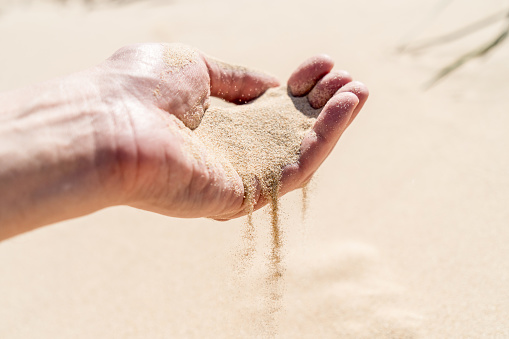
x: 258, y: 140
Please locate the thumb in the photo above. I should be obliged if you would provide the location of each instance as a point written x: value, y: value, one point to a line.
x: 236, y: 83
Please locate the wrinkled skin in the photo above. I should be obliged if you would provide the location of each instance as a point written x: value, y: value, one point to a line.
x: 130, y: 118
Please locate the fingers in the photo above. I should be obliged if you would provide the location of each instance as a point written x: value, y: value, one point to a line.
x: 335, y: 117
x: 341, y: 99
x: 235, y: 83
x: 253, y: 200
x: 361, y: 91
x: 326, y: 87
x: 318, y: 143
x: 308, y: 73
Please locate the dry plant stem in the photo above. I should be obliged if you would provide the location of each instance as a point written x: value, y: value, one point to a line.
x: 471, y: 28
x: 476, y: 53
x: 439, y: 7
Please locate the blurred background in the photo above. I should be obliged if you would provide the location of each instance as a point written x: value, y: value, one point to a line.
x: 407, y: 233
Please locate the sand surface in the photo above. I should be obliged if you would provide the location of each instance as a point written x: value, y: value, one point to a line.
x: 407, y: 234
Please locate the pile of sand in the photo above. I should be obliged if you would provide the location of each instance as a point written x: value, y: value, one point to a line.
x: 259, y: 138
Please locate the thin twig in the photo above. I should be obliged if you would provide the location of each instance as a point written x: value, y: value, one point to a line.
x: 412, y: 33
x: 476, y: 53
x: 457, y: 34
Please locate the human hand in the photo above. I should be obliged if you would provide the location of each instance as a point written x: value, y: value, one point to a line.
x: 158, y: 83
x: 120, y: 133
x: 157, y: 93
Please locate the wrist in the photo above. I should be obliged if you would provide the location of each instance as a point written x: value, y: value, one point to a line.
x: 57, y: 151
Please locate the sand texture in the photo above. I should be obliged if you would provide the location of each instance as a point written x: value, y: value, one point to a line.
x: 258, y: 139
x: 406, y: 233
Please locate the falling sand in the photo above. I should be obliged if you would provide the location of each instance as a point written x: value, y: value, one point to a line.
x: 256, y: 140
x: 259, y: 139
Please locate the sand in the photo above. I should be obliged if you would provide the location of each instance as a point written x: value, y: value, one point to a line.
x: 258, y: 140
x: 407, y: 231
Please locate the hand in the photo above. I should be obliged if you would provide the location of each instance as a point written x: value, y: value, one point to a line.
x: 157, y: 94
x: 158, y: 174
x: 340, y: 98
x: 120, y: 133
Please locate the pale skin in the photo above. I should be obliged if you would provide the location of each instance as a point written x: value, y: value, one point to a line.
x: 114, y: 135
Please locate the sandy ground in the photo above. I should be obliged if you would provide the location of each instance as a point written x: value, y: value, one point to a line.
x: 408, y: 229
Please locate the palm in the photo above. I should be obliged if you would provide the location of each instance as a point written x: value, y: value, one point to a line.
x: 176, y: 176
x: 165, y: 168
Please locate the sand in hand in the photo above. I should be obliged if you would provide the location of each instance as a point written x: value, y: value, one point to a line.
x: 258, y: 139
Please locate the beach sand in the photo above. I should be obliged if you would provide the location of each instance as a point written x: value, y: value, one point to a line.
x: 407, y: 227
